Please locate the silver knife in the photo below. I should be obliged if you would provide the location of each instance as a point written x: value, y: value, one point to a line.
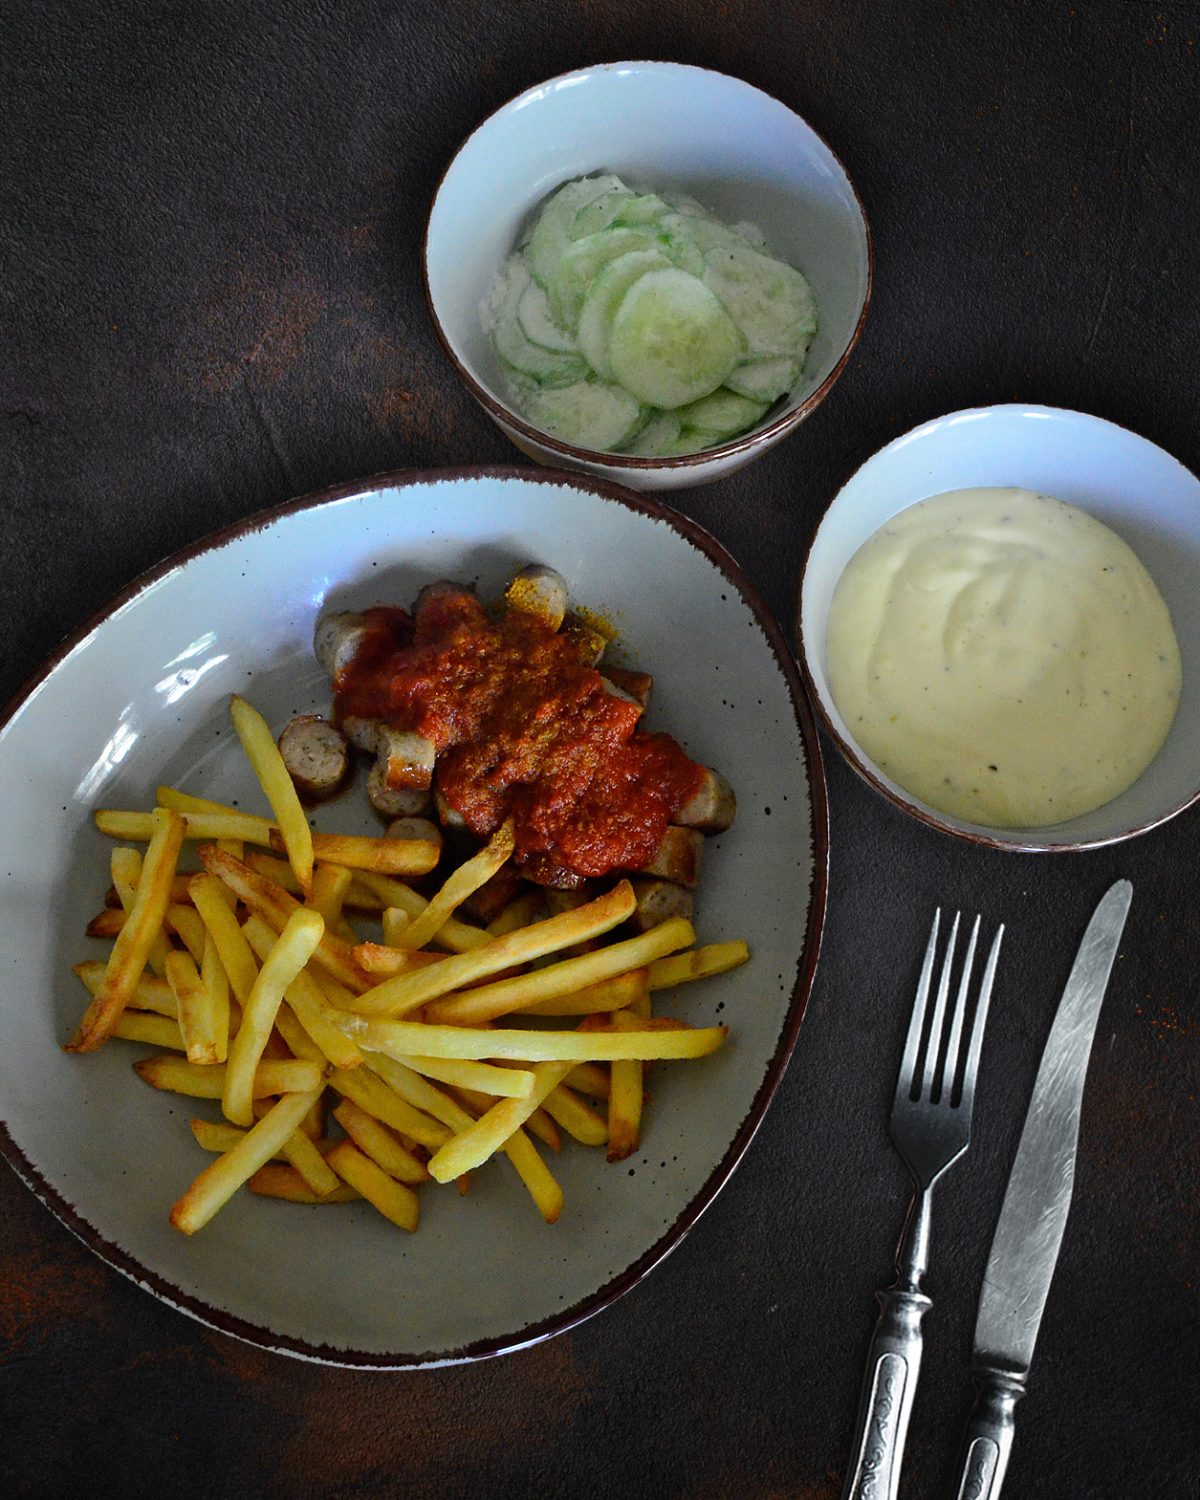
x: 1036, y: 1203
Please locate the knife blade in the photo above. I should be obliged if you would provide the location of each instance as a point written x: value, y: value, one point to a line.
x: 1037, y: 1200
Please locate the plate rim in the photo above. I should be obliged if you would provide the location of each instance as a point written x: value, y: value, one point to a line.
x: 609, y: 1291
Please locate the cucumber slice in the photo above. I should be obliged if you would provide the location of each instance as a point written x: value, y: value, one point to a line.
x: 659, y: 438
x: 621, y: 208
x: 671, y: 340
x: 581, y: 262
x: 764, y: 379
x: 701, y: 231
x: 719, y: 416
x: 753, y: 236
x: 551, y: 234
x: 589, y: 414
x: 546, y: 366
x: 537, y: 323
x: 770, y: 302
x: 603, y: 298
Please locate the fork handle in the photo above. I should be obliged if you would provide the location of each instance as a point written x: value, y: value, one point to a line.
x: 987, y: 1441
x: 893, y: 1363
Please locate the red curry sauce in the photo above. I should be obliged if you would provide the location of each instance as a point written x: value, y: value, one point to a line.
x: 523, y: 728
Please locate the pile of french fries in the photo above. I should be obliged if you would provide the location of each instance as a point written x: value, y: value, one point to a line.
x: 248, y: 974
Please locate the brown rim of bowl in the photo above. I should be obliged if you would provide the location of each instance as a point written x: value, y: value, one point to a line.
x: 806, y: 965
x: 981, y: 837
x: 775, y: 429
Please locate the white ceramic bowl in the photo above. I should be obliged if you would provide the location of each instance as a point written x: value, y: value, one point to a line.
x: 744, y: 155
x: 1142, y: 493
x: 140, y: 696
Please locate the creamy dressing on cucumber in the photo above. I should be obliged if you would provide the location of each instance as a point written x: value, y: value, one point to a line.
x: 1003, y: 656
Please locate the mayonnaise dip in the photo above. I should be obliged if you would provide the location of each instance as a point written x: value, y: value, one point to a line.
x: 1003, y: 656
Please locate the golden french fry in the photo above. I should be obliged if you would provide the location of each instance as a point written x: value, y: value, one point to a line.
x: 471, y: 1147
x: 290, y: 953
x: 393, y: 1199
x: 186, y: 802
x: 107, y: 924
x: 220, y: 1180
x: 152, y: 993
x: 379, y: 959
x: 272, y: 868
x: 456, y: 936
x: 179, y: 884
x: 126, y: 868
x: 618, y: 993
x: 301, y: 1153
x: 371, y: 1093
x: 483, y: 1078
x: 464, y: 882
x: 394, y: 922
x: 657, y: 1040
x: 144, y: 1026
x: 132, y: 947
x: 375, y: 1140
x: 520, y: 912
x: 295, y: 836
x: 626, y: 1092
x: 192, y: 999
x: 569, y: 975
x: 276, y: 905
x: 407, y: 991
x: 307, y: 1002
x: 213, y: 1024
x: 591, y: 1080
x: 217, y: 1136
x: 207, y: 1081
x: 697, y: 963
x: 575, y: 1116
x: 540, y: 1182
x: 198, y: 825
x: 278, y: 1180
x: 186, y: 923
x: 330, y: 885
x: 539, y: 1122
x: 237, y: 958
x: 381, y: 856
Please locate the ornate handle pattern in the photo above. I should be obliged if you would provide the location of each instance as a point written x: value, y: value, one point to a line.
x: 987, y: 1442
x: 888, y: 1388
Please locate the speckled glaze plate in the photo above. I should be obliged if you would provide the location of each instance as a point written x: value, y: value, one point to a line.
x: 139, y: 696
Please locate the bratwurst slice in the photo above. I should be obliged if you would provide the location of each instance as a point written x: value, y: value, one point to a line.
x: 315, y: 753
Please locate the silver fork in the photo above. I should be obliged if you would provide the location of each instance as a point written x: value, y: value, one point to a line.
x: 930, y: 1127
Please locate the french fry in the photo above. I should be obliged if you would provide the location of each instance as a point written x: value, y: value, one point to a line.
x: 618, y: 993
x: 471, y: 1147
x: 186, y: 923
x: 213, y: 1024
x: 591, y: 1080
x: 539, y: 1123
x: 697, y: 963
x: 458, y: 937
x: 576, y: 1117
x: 519, y: 913
x: 273, y: 1076
x: 626, y: 1093
x: 566, y: 977
x: 407, y: 991
x: 193, y: 999
x: 179, y: 887
x: 217, y: 1136
x: 276, y: 905
x: 218, y: 1182
x: 394, y: 922
x: 274, y: 869
x: 307, y: 1001
x: 483, y: 1078
x: 540, y: 1182
x: 382, y: 961
x: 393, y: 1199
x: 133, y: 943
x: 380, y: 856
x: 464, y: 882
x: 187, y: 802
x: 126, y: 869
x: 201, y: 825
x: 300, y: 1152
x: 330, y: 884
x: 375, y: 1140
x: 278, y: 1180
x: 152, y: 993
x: 237, y: 957
x: 371, y: 1093
x: 290, y: 953
x: 107, y: 924
x: 294, y: 834
x: 144, y: 1026
x: 657, y: 1040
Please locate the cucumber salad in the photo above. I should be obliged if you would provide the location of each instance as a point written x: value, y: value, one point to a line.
x: 630, y: 322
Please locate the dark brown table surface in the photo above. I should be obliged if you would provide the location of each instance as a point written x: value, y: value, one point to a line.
x: 211, y: 223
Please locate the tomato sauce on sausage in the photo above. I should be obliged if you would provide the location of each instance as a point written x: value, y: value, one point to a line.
x: 522, y: 728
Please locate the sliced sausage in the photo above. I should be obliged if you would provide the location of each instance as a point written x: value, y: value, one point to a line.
x: 423, y: 830
x: 337, y: 639
x: 363, y: 734
x: 447, y: 816
x: 407, y: 758
x: 678, y: 857
x: 589, y: 642
x: 542, y: 870
x: 315, y: 753
x: 658, y: 901
x: 486, y: 903
x: 711, y: 807
x: 614, y: 691
x: 396, y: 802
x: 540, y: 591
x: 638, y: 685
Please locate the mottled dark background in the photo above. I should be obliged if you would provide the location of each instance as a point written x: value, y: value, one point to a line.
x: 211, y: 215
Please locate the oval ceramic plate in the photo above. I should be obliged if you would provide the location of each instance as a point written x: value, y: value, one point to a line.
x: 140, y: 697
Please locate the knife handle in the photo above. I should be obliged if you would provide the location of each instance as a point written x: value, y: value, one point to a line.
x: 888, y: 1387
x: 987, y: 1441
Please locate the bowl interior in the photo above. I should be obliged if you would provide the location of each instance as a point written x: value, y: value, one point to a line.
x: 662, y: 125
x: 1142, y: 493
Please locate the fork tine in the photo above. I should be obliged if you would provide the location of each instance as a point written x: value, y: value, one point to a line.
x: 939, y: 1015
x: 950, y: 1066
x: 916, y: 1023
x: 981, y: 1010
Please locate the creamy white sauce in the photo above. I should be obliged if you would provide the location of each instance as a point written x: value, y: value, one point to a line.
x: 1003, y: 656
